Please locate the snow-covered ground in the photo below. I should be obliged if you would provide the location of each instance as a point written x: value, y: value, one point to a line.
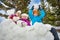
x: 7, y: 12
x: 2, y: 19
x: 2, y: 11
x: 56, y: 28
x: 10, y: 31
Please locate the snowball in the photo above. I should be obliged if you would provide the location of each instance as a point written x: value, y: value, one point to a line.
x: 36, y: 6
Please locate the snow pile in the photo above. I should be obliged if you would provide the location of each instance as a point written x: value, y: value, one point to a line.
x: 10, y: 31
x: 2, y: 19
x: 2, y: 11
x: 10, y: 11
x: 48, y: 26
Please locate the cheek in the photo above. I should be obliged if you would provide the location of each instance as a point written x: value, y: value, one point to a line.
x: 26, y: 17
x: 22, y: 17
x: 17, y: 14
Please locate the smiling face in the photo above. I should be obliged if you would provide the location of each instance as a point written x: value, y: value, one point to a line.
x: 24, y: 17
x: 35, y: 12
x: 18, y: 14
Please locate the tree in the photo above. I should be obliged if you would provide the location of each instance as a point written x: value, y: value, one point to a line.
x: 56, y: 4
x: 18, y: 4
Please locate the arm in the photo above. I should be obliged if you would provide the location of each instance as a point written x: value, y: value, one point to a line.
x: 30, y: 13
x: 42, y: 13
x: 10, y: 17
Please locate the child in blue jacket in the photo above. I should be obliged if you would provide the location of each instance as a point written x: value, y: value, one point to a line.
x: 35, y: 16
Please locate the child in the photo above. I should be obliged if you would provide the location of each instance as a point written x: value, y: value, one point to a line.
x: 24, y: 18
x: 15, y: 16
x: 36, y: 16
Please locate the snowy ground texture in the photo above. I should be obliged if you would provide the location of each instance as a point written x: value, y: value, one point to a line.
x: 10, y: 31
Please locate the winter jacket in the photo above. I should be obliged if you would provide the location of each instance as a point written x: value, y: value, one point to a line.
x: 27, y: 21
x: 36, y: 18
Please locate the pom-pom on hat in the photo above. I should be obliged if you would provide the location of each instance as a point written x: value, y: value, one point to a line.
x: 24, y: 14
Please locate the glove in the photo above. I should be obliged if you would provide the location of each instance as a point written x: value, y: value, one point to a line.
x: 15, y: 18
x: 40, y: 7
x: 32, y: 7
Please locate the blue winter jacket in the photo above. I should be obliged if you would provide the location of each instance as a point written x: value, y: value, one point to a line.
x: 36, y: 18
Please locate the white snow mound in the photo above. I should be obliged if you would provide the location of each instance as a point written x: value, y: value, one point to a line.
x: 10, y: 31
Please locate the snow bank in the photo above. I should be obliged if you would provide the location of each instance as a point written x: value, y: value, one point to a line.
x: 2, y: 19
x: 10, y: 31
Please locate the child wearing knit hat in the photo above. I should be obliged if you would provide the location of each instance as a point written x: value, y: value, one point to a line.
x: 24, y: 18
x: 36, y: 14
x: 15, y: 16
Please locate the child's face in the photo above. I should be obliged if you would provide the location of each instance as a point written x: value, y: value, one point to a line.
x: 35, y: 12
x: 24, y: 17
x: 18, y: 14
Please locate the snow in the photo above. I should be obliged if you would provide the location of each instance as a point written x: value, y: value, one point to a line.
x: 34, y: 2
x: 10, y: 11
x: 36, y: 6
x: 7, y: 12
x: 2, y: 12
x: 2, y: 19
x: 37, y: 2
x: 11, y: 31
x: 46, y: 4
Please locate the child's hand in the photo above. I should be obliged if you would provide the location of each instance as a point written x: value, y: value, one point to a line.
x: 24, y: 24
x: 40, y: 7
x: 19, y: 23
x: 32, y: 7
x: 15, y: 18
